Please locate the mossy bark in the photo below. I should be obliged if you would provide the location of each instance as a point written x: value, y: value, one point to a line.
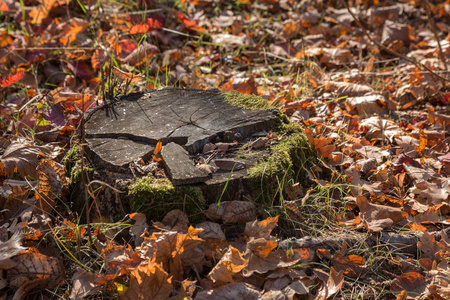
x: 156, y: 197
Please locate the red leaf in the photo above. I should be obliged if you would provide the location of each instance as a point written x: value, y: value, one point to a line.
x: 140, y: 28
x: 4, y: 6
x: 155, y: 23
x: 11, y: 79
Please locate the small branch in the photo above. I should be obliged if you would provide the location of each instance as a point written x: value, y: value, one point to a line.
x: 433, y: 28
x: 418, y: 64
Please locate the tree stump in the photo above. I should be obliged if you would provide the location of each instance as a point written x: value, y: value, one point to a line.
x: 184, y: 120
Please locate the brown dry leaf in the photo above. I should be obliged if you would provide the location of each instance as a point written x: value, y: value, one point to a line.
x: 368, y: 105
x: 215, y: 211
x: 232, y: 291
x: 42, y: 11
x: 16, y: 202
x: 261, y: 229
x: 322, y: 144
x: 378, y: 128
x: 414, y: 283
x: 378, y: 217
x: 10, y: 248
x: 175, y: 250
x: 140, y: 54
x: 290, y: 30
x: 36, y: 266
x: 335, y: 56
x: 52, y: 184
x: 176, y: 220
x: 71, y: 31
x: 118, y: 259
x: 139, y: 227
x: 352, y: 265
x: 23, y: 158
x: 260, y: 142
x: 148, y: 282
x: 209, y: 169
x: 432, y: 249
x: 260, y: 257
x: 437, y: 118
x: 231, y: 263
x: 287, y: 281
x: 211, y: 230
x: 98, y: 59
x: 423, y: 142
x: 83, y: 284
x: 348, y: 89
x: 435, y: 214
x: 238, y: 212
x: 5, y: 39
x: 128, y: 77
x: 420, y: 174
x: 394, y: 32
x: 331, y: 286
x: 229, y: 164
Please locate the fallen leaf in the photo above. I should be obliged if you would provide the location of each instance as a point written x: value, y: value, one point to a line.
x: 238, y: 212
x: 11, y: 79
x: 211, y: 230
x: 23, y: 158
x: 157, y: 152
x: 52, y: 184
x: 148, y: 282
x: 235, y: 290
x: 414, y: 283
x: 331, y: 286
x: 83, y: 284
x: 127, y: 77
x: 176, y: 220
x: 261, y: 229
x: 139, y: 227
x: 231, y: 263
x: 229, y: 164
x: 42, y: 11
x: 10, y: 248
x: 378, y: 217
x: 348, y: 89
x: 32, y: 266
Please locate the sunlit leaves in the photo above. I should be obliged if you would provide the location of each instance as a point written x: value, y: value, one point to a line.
x: 11, y: 79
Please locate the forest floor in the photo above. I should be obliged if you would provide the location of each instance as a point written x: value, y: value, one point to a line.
x: 366, y: 81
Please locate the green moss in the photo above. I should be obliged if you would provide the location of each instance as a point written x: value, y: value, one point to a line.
x: 72, y: 162
x: 285, y: 165
x: 72, y: 155
x: 246, y: 101
x: 156, y: 197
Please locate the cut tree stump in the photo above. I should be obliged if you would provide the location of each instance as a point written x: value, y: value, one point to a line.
x: 184, y: 120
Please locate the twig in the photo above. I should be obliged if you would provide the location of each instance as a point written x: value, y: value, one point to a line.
x: 418, y: 64
x: 433, y: 28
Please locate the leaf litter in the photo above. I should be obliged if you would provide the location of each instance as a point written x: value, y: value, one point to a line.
x: 368, y: 84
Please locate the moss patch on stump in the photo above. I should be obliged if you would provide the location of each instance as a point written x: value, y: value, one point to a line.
x: 155, y: 197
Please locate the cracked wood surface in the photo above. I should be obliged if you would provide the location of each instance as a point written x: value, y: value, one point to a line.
x: 129, y: 128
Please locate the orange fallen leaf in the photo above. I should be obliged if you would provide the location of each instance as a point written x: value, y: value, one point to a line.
x: 148, y: 282
x: 261, y: 229
x: 127, y: 77
x: 157, y: 152
x: 231, y: 263
x: 11, y: 79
